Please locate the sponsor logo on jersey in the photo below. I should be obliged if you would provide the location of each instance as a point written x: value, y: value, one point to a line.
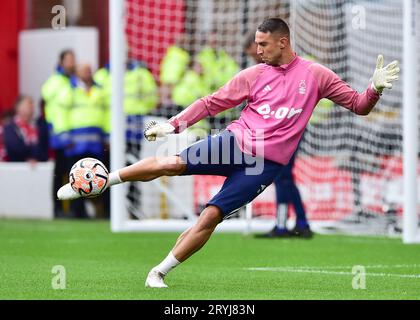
x: 281, y: 113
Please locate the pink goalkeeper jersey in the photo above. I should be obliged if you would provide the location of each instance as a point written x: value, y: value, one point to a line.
x: 280, y: 103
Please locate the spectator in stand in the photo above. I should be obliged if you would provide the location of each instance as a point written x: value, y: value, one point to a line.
x: 87, y: 102
x: 218, y: 68
x: 2, y: 147
x: 173, y: 67
x: 22, y: 134
x: 190, y: 87
x: 57, y: 117
x: 140, y: 99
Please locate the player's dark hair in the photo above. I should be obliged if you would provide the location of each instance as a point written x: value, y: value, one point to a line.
x: 275, y: 25
x: 64, y: 53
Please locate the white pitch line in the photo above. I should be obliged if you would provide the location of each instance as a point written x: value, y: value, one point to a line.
x: 373, y: 274
x: 376, y: 266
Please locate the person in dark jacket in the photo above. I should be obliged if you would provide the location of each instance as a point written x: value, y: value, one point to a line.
x: 22, y: 134
x: 3, y: 155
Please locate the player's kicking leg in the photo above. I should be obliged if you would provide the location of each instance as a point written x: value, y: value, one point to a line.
x: 189, y: 242
x: 237, y: 190
x: 144, y: 170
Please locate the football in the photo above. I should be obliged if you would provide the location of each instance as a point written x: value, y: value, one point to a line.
x: 89, y: 177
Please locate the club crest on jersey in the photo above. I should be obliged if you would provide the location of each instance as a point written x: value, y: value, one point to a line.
x: 302, y: 87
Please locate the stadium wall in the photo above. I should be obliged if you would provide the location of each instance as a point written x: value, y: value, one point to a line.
x: 12, y: 20
x: 26, y: 190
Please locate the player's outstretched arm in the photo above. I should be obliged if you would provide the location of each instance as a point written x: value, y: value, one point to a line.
x: 334, y: 88
x: 384, y: 76
x: 229, y: 96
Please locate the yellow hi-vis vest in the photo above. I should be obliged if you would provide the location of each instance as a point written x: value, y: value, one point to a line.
x: 190, y: 88
x: 56, y: 113
x: 87, y: 121
x: 102, y: 77
x: 218, y: 67
x: 141, y: 94
x: 173, y: 66
x: 140, y: 90
x: 321, y: 111
x: 88, y: 108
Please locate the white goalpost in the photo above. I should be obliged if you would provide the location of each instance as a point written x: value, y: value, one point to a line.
x: 120, y: 221
x: 411, y: 231
x: 356, y: 175
x: 117, y: 139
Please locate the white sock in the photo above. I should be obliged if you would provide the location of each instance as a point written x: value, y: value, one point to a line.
x: 167, y: 264
x: 281, y: 215
x: 114, y: 178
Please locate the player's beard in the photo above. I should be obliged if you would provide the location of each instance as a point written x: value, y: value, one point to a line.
x: 272, y: 61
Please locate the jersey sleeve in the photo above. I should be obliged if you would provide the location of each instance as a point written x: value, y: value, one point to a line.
x: 332, y: 87
x: 229, y: 96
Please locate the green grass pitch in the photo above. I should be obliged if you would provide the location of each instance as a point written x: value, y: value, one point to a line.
x: 103, y: 265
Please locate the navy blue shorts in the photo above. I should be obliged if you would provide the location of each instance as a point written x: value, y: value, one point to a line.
x: 247, y: 176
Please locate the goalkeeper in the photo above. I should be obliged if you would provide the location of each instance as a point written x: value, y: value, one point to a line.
x: 281, y: 93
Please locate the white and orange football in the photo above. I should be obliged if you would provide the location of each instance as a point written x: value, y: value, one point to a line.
x: 89, y: 177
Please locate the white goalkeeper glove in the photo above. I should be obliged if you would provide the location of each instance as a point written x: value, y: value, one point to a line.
x: 157, y: 130
x: 384, y: 76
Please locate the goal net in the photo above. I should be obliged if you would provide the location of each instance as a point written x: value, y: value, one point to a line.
x: 348, y: 168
